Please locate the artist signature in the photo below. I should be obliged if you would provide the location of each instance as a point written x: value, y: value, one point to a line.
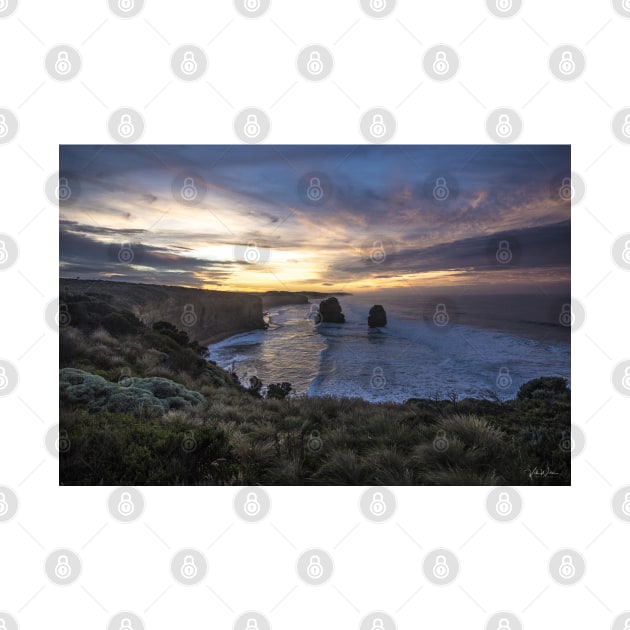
x: 540, y: 472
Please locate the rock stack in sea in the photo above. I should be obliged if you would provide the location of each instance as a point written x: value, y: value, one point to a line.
x: 330, y: 311
x: 377, y: 317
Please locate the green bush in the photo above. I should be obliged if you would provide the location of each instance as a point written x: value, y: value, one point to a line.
x: 122, y: 323
x: 169, y: 330
x: 544, y: 388
x: 139, y: 396
x: 116, y: 448
x: 279, y: 391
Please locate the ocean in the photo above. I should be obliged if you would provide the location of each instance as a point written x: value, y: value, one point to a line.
x: 426, y: 349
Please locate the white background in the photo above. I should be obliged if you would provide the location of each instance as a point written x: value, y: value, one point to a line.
x: 252, y: 63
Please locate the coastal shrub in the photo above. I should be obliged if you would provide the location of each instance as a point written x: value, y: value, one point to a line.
x: 128, y: 400
x: 544, y: 388
x: 117, y: 447
x: 279, y: 391
x: 139, y: 396
x: 343, y: 467
x: 121, y: 323
x: 180, y: 337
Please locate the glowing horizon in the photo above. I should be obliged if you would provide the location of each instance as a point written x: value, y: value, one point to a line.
x: 377, y: 224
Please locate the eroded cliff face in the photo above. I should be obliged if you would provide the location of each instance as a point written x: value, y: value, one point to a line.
x: 205, y: 315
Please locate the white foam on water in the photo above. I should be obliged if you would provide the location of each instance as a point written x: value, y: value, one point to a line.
x: 408, y: 358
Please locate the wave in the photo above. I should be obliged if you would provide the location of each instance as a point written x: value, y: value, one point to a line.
x: 409, y: 358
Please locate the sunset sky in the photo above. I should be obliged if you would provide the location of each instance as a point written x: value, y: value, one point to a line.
x: 246, y: 221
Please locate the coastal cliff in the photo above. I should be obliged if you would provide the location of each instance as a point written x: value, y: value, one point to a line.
x: 206, y: 316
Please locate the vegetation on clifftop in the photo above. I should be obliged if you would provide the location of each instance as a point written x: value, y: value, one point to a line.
x: 143, y: 406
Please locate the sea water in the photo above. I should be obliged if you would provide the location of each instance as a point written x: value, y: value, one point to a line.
x: 411, y: 357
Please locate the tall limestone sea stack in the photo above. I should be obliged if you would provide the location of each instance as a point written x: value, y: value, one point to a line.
x: 377, y: 317
x: 330, y: 311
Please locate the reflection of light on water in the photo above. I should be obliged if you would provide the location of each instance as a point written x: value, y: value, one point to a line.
x: 339, y: 359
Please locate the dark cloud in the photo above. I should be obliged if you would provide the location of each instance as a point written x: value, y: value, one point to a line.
x: 252, y: 194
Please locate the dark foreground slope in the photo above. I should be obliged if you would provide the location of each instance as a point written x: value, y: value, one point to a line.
x: 140, y: 406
